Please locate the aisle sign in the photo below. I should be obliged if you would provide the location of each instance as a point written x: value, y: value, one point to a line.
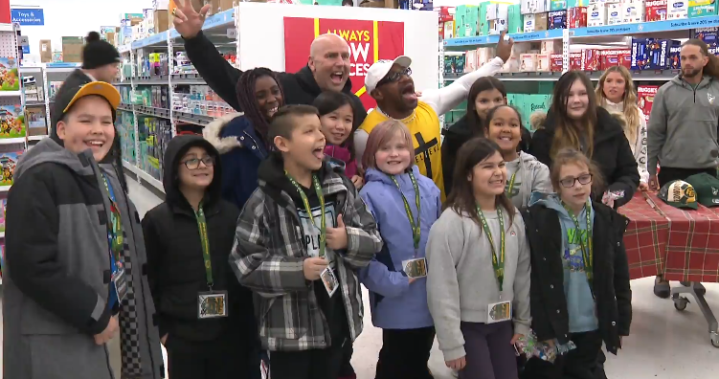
x: 369, y: 42
x: 28, y: 16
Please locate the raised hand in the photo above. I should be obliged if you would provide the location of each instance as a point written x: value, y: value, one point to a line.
x: 504, y: 47
x: 187, y: 21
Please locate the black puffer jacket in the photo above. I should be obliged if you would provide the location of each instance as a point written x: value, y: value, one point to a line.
x: 299, y: 88
x: 612, y: 153
x: 612, y: 291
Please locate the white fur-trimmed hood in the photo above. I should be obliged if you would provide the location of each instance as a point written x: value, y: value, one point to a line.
x: 212, y: 132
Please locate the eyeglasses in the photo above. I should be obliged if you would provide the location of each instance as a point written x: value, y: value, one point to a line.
x: 582, y: 179
x: 194, y: 163
x: 395, y: 76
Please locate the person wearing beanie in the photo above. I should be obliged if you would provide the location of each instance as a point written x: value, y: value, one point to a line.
x: 74, y: 273
x: 100, y: 62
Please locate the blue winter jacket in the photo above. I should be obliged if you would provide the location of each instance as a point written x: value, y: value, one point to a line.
x: 241, y: 152
x: 395, y: 303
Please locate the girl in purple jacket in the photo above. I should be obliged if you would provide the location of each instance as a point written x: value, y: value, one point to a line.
x: 405, y: 204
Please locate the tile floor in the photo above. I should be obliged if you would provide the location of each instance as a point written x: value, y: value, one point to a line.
x: 665, y: 344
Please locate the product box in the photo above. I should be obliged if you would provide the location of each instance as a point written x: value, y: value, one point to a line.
x: 557, y: 5
x: 72, y: 49
x: 551, y: 46
x: 543, y: 64
x: 9, y: 76
x: 577, y: 17
x: 575, y: 61
x: 577, y: 3
x: 590, y: 60
x: 674, y: 60
x: 708, y: 35
x: 632, y: 12
x: 497, y: 26
x: 448, y: 29
x: 36, y: 121
x: 702, y: 8
x: 497, y: 11
x: 466, y: 19
x: 655, y: 10
x: 484, y: 55
x: 659, y: 52
x: 528, y: 62
x: 8, y: 161
x: 45, y: 51
x: 640, y: 54
x: 614, y: 13
x: 515, y: 19
x: 645, y: 99
x: 597, y: 14
x: 534, y: 6
x: 220, y: 5
x: 556, y: 62
x: 511, y: 65
x: 677, y: 9
x: 616, y: 57
x: 535, y: 22
x: 557, y: 20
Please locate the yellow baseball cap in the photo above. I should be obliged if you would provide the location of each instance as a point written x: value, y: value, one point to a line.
x: 102, y: 89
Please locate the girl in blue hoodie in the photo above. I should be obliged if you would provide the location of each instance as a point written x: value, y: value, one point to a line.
x: 405, y: 204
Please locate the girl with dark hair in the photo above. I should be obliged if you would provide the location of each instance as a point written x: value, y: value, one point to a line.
x: 576, y: 121
x: 478, y: 268
x: 525, y: 173
x: 580, y: 275
x: 242, y: 142
x: 337, y: 117
x: 485, y: 94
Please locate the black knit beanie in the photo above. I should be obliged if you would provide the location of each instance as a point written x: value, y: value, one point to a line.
x: 98, y: 53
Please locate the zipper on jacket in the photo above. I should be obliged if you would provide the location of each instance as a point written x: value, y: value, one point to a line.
x: 254, y: 141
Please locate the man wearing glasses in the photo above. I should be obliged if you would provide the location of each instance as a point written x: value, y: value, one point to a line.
x: 391, y: 85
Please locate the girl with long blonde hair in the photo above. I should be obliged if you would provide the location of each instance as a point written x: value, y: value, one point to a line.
x: 616, y: 93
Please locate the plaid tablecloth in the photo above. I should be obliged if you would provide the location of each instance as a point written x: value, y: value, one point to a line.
x: 684, y: 244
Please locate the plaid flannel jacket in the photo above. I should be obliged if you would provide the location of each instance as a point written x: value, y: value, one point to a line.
x: 268, y: 257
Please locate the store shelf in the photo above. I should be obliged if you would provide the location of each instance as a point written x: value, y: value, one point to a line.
x: 224, y: 18
x: 125, y: 107
x: 36, y: 138
x: 6, y: 28
x: 10, y: 93
x: 152, y: 111
x: 192, y: 118
x: 155, y: 40
x: 34, y: 103
x: 5, y: 188
x: 646, y: 27
x: 29, y: 70
x: 151, y: 81
x: 187, y: 79
x: 646, y: 75
x: 124, y: 48
x: 11, y: 141
x: 145, y: 177
x: 493, y: 39
x: 61, y: 67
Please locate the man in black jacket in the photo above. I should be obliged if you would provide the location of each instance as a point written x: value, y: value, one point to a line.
x: 327, y: 68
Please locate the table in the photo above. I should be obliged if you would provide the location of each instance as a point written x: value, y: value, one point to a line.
x: 683, y: 244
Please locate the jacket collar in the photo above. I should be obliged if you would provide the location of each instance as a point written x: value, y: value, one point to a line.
x: 308, y: 83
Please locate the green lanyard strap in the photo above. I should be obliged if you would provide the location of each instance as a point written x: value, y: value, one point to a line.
x: 306, y: 202
x: 497, y: 259
x: 416, y: 231
x: 511, y: 183
x: 116, y: 223
x: 205, y: 241
x: 587, y: 253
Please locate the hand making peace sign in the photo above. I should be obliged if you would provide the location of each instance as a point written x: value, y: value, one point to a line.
x: 186, y: 20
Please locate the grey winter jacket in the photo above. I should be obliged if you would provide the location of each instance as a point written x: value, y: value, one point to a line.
x: 57, y: 271
x: 682, y: 131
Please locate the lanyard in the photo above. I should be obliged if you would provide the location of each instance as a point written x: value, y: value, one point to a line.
x: 323, y: 222
x: 497, y: 259
x: 511, y: 183
x: 205, y: 241
x: 587, y: 253
x: 415, y: 225
x: 114, y: 233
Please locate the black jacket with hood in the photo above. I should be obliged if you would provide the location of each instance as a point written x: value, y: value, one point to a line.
x: 299, y: 88
x: 612, y: 153
x: 175, y: 263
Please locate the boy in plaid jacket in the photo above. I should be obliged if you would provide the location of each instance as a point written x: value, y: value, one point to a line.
x: 300, y: 239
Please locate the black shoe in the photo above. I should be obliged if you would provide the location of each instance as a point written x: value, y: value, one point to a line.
x: 661, y: 288
x: 698, y: 287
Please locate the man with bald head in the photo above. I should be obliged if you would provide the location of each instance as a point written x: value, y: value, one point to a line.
x: 327, y: 69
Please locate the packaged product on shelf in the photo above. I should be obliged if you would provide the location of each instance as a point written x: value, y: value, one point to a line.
x: 577, y: 3
x: 8, y: 161
x: 677, y: 9
x: 484, y: 55
x: 575, y: 60
x: 497, y: 11
x: 515, y: 19
x: 9, y: 77
x: 466, y: 19
x: 470, y: 61
x: 659, y: 52
x: 557, y: 5
x: 528, y: 62
x: 597, y: 14
x: 656, y: 10
x: 614, y: 14
x: 556, y: 63
x: 511, y: 65
x: 12, y: 121
x: 448, y: 29
x: 543, y: 63
x: 36, y: 121
x: 577, y: 17
x: 534, y: 6
x: 645, y: 99
x: 591, y: 60
x: 708, y: 35
x: 615, y: 57
x: 552, y: 46
x: 702, y: 8
x: 452, y: 65
x: 535, y: 22
x: 30, y: 90
x: 497, y: 26
x: 557, y: 20
x: 632, y: 12
x: 675, y: 61
x: 640, y: 54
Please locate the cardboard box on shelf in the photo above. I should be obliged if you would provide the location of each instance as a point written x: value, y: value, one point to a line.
x: 497, y: 11
x: 221, y: 5
x: 557, y: 20
x: 640, y: 54
x: 543, y: 64
x: 534, y: 6
x: 497, y: 26
x: 515, y: 19
x: 659, y: 52
x: 590, y: 60
x: 702, y: 8
x: 614, y: 14
x: 556, y: 62
x: 72, y: 49
x: 632, y: 13
x: 577, y: 17
x: 616, y: 57
x: 557, y: 5
x: 677, y: 9
x: 552, y: 46
x: 575, y: 61
x: 597, y: 14
x: 645, y: 99
x: 535, y: 22
x: 656, y: 10
x: 528, y: 62
x: 162, y: 20
x: 674, y: 60
x: 45, y: 51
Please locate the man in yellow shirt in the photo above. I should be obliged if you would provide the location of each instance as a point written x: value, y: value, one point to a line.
x: 391, y: 85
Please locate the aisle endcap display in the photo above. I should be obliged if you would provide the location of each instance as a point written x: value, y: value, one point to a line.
x: 637, y: 75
